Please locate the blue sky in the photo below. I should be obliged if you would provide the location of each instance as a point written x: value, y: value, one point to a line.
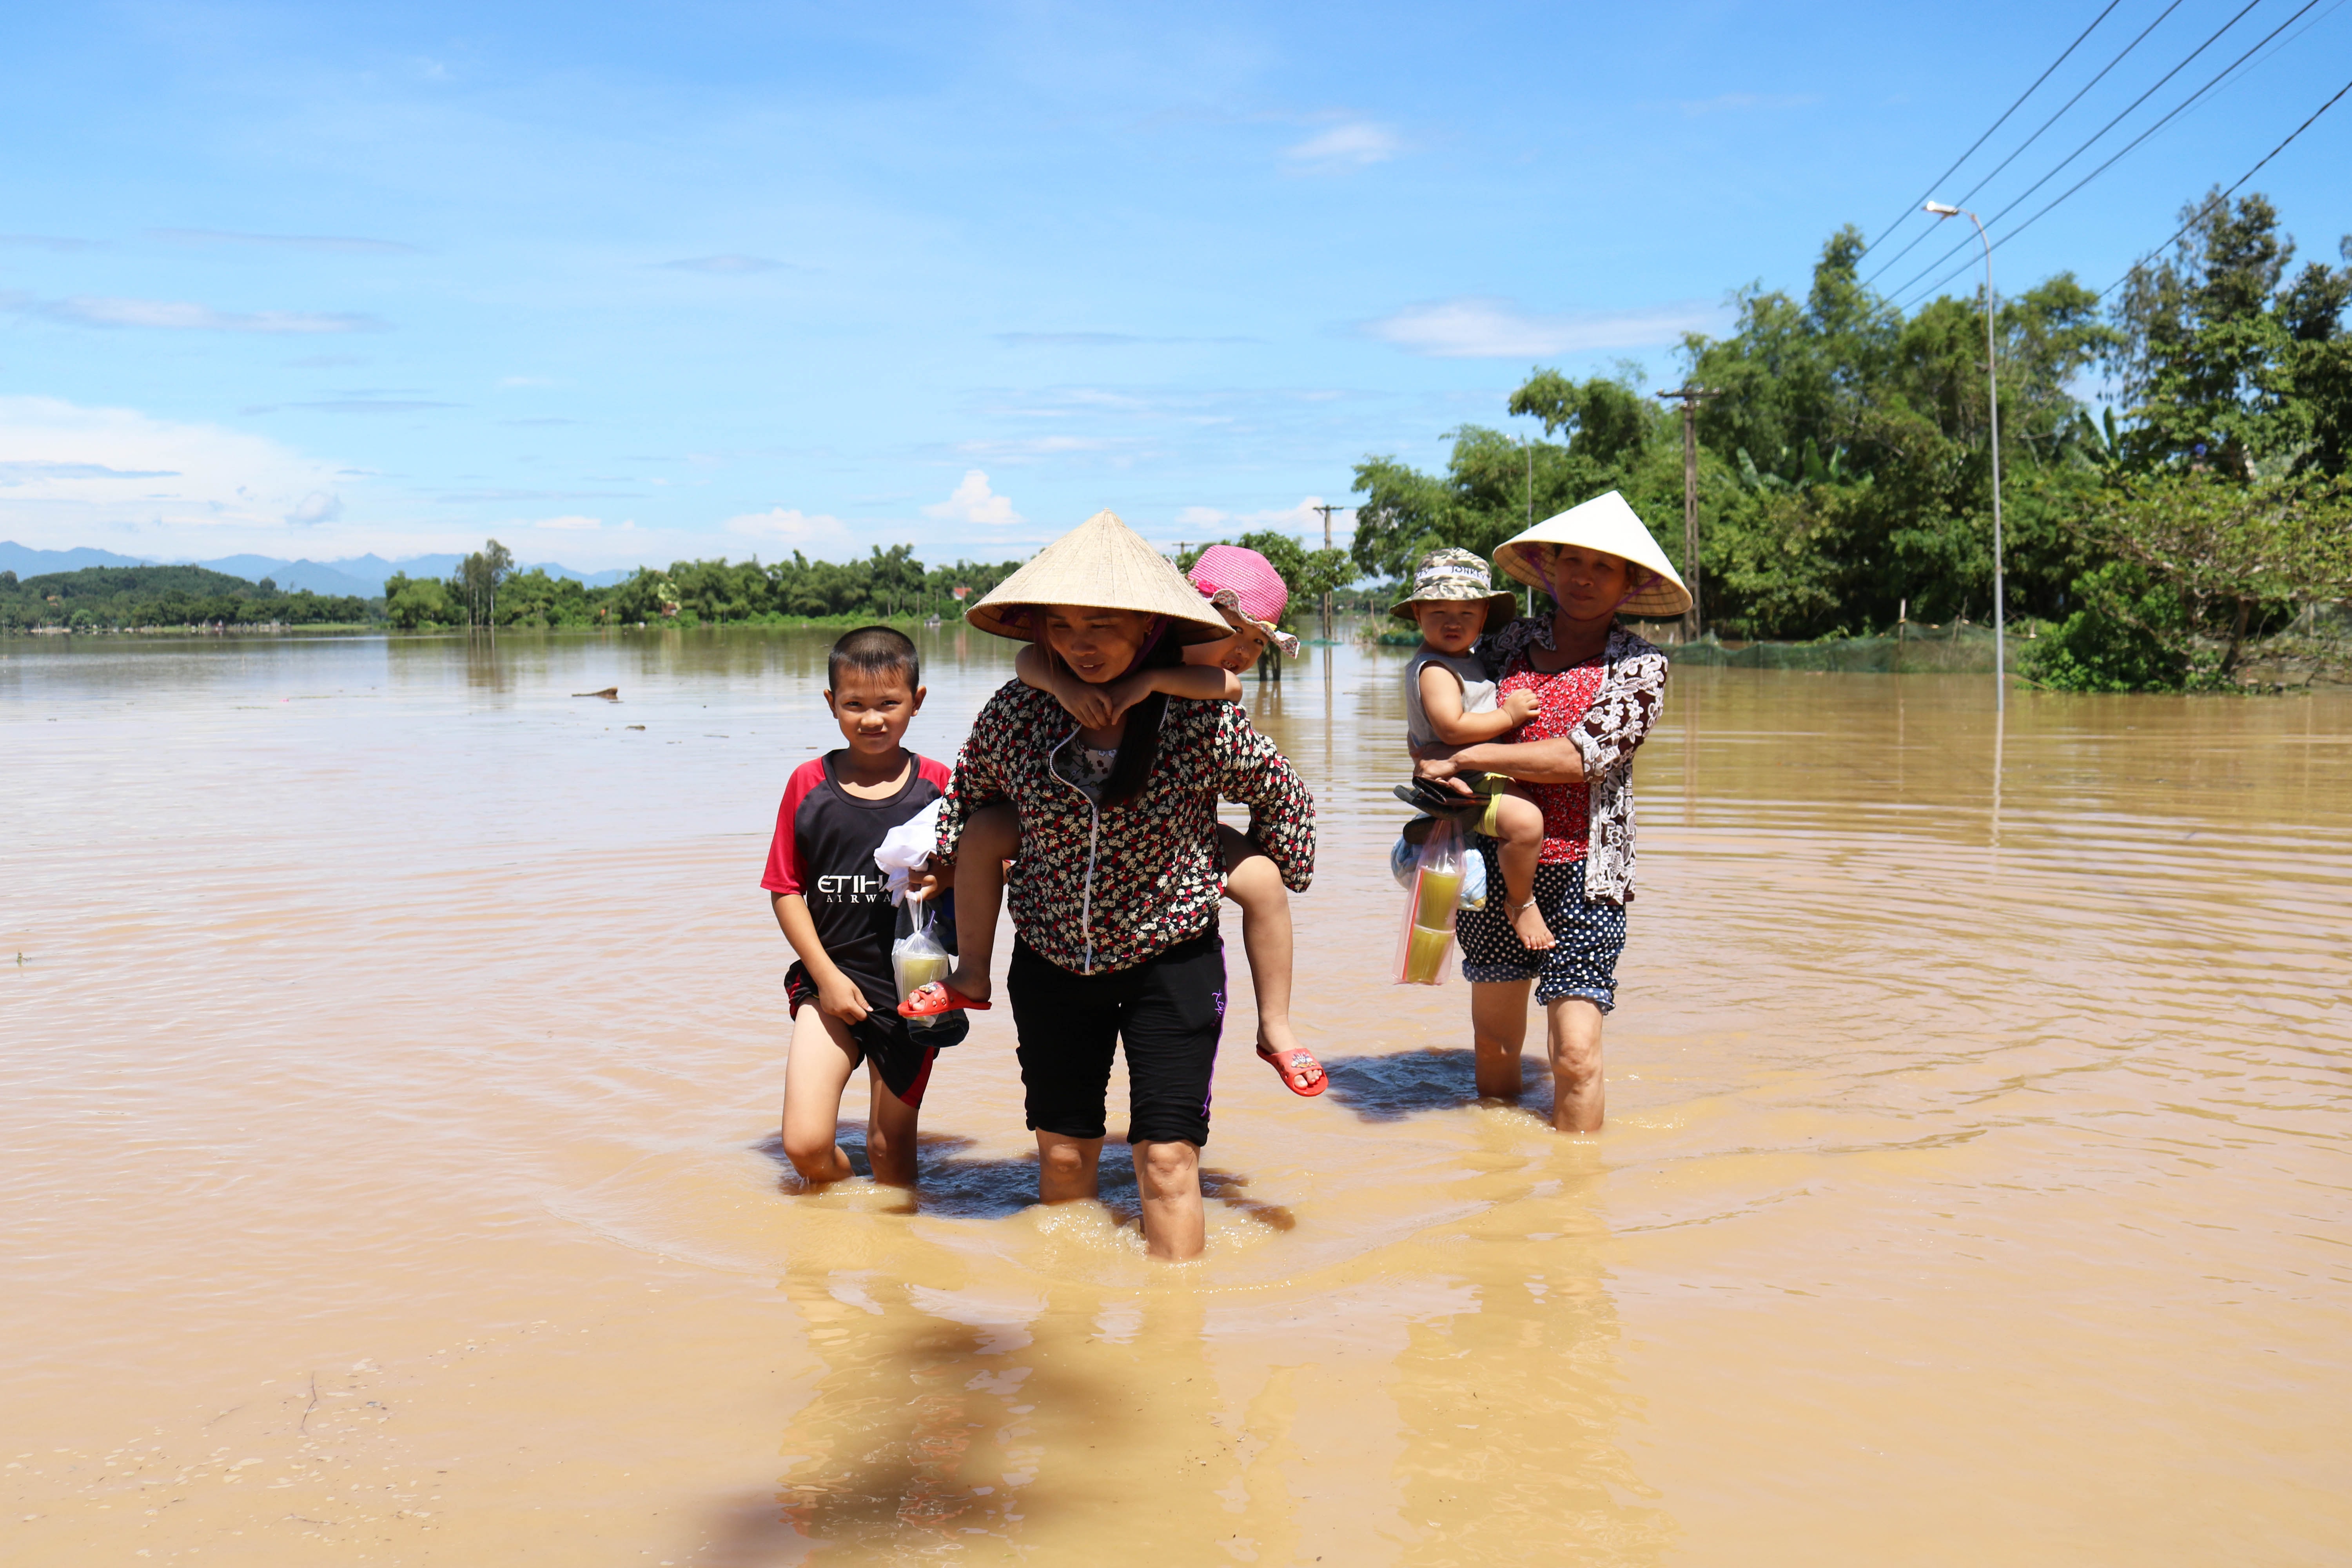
x: 624, y: 284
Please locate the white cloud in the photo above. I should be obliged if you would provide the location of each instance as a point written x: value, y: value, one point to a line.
x: 975, y: 502
x: 570, y: 525
x: 1354, y: 145
x: 176, y: 315
x: 1481, y: 328
x: 791, y: 526
x: 725, y: 265
x: 319, y: 506
x: 1302, y: 520
x: 1032, y: 447
x: 344, y: 244
x: 1741, y: 102
x: 114, y: 477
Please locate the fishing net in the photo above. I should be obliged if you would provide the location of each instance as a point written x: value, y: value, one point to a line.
x: 1915, y: 652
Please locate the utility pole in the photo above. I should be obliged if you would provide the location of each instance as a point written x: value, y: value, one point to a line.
x: 1527, y: 444
x: 1326, y: 511
x: 1941, y: 211
x: 1690, y: 396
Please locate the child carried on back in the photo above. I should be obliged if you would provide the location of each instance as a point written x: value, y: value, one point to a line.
x: 1449, y: 702
x: 1250, y: 593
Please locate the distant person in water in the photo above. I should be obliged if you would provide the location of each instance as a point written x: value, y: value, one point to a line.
x: 828, y: 898
x: 1244, y: 587
x: 1597, y: 688
x: 1114, y: 897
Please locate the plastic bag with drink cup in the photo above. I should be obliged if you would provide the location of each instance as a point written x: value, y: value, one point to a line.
x: 1404, y: 857
x: 916, y: 958
x: 1435, y: 894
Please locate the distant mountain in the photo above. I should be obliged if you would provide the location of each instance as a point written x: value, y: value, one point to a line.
x: 29, y: 562
x: 293, y: 575
x: 359, y: 574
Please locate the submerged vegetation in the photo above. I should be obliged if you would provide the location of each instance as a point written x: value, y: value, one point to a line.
x: 1844, y: 468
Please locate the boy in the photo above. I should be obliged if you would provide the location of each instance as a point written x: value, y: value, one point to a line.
x: 1251, y: 596
x: 829, y: 900
x: 1449, y: 701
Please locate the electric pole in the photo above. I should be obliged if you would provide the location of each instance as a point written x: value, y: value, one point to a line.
x: 1690, y: 396
x: 1326, y: 511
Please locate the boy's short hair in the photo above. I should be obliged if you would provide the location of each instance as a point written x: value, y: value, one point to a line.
x: 874, y: 650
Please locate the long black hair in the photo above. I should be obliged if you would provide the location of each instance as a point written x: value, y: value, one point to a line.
x: 1138, y: 736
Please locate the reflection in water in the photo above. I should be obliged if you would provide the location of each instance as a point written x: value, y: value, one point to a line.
x: 394, y: 1057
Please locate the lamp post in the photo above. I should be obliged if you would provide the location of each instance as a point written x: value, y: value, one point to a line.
x: 1992, y: 381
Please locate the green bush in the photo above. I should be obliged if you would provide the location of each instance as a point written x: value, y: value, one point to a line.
x: 2127, y: 634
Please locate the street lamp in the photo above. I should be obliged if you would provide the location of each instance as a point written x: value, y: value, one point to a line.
x: 1992, y: 380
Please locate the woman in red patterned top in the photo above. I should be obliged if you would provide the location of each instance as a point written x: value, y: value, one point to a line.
x: 1599, y: 689
x: 1114, y: 896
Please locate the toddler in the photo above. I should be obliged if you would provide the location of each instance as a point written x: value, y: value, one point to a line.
x: 1449, y: 701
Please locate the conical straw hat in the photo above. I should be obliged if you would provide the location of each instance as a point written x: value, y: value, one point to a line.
x: 1606, y: 524
x: 1104, y: 564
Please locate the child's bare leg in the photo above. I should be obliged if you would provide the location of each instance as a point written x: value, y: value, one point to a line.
x: 822, y: 1060
x: 1253, y: 882
x: 991, y: 838
x: 1519, y: 835
x: 889, y: 1134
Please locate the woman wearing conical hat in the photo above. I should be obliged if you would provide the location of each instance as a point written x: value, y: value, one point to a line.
x: 1114, y: 897
x: 1599, y: 689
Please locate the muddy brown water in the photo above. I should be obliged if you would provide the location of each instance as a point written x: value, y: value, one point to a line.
x: 392, y: 1047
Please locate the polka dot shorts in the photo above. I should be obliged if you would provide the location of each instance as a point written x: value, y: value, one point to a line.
x: 1590, y: 937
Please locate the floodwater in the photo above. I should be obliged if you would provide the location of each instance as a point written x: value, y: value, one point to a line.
x: 393, y: 1045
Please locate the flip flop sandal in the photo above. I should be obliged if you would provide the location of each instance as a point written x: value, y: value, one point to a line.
x: 1425, y: 796
x: 1294, y: 1063
x: 934, y: 998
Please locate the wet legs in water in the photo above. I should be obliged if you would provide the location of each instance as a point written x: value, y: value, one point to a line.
x: 1498, y: 1022
x: 821, y: 1062
x: 1167, y: 1177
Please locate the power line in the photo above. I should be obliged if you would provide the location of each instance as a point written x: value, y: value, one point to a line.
x: 2219, y: 77
x: 2005, y: 163
x: 1906, y: 287
x: 1997, y: 124
x: 2223, y: 198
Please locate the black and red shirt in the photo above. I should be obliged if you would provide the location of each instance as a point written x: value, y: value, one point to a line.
x: 823, y: 851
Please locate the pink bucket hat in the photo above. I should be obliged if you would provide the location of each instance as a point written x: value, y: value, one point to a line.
x: 1247, y: 590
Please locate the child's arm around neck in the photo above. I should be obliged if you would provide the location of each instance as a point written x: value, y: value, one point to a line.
x: 1201, y: 682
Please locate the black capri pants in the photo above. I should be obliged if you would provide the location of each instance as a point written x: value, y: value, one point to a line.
x: 1169, y: 1010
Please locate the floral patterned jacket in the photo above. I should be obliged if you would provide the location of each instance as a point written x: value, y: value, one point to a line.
x: 1105, y: 887
x: 1632, y: 690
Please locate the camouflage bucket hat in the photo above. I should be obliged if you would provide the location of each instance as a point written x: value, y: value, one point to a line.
x: 1458, y: 575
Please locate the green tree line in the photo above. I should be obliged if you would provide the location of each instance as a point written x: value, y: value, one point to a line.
x: 485, y: 591
x: 108, y: 598
x: 1844, y: 460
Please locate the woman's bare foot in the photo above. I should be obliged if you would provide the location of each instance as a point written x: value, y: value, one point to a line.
x: 969, y: 982
x: 1301, y: 1073
x: 1528, y: 924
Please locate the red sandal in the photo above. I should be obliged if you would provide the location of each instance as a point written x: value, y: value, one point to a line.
x: 931, y: 999
x: 1292, y: 1065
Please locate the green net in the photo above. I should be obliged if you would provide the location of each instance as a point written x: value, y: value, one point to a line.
x: 1921, y: 652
